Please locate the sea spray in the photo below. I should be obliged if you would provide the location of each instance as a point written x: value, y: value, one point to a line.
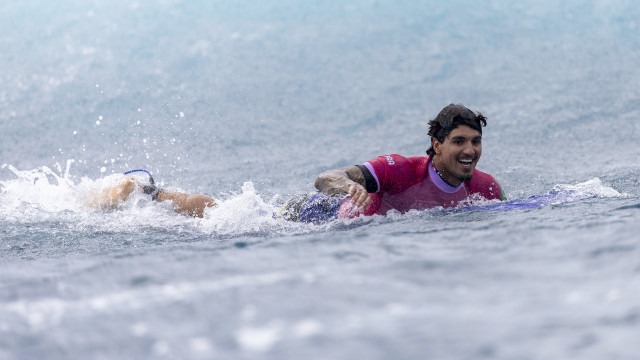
x: 245, y: 213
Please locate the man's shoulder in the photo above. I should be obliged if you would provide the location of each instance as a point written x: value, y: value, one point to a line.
x: 396, y: 162
x: 396, y: 159
x: 419, y: 160
x: 485, y: 184
x: 395, y: 172
x: 391, y: 159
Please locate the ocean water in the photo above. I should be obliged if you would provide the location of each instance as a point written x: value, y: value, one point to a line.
x: 248, y: 102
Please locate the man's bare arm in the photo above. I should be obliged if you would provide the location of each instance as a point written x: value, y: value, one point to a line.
x: 188, y: 204
x: 348, y: 180
x: 111, y: 197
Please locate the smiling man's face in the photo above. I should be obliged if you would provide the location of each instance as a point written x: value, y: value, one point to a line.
x: 457, y: 156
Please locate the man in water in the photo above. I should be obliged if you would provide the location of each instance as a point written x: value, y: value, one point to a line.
x: 446, y: 177
x: 183, y: 203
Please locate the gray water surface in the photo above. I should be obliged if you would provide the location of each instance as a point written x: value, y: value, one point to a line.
x: 248, y: 102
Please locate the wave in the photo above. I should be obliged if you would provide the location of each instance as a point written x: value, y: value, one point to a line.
x: 560, y: 194
x: 42, y: 194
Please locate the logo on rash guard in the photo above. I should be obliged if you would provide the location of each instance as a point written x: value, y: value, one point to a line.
x: 390, y: 160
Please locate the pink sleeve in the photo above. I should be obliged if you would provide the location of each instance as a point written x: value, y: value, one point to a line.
x: 393, y: 173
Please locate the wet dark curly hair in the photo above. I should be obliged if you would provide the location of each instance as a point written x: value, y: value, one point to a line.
x: 449, y: 118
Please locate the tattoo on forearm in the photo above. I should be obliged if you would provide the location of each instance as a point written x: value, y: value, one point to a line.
x: 338, y: 181
x: 356, y: 175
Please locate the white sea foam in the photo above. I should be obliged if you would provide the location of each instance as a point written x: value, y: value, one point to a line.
x: 41, y: 188
x: 246, y: 212
x: 590, y: 188
x: 259, y: 339
x: 42, y: 193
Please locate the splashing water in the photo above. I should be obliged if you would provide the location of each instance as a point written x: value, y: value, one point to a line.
x: 41, y: 194
x: 38, y: 189
x: 44, y: 194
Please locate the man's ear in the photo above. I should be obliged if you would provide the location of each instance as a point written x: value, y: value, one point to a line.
x: 436, y: 145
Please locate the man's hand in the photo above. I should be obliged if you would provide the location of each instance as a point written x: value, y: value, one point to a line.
x: 359, y: 196
x: 349, y: 180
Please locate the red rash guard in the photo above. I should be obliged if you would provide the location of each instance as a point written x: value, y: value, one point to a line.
x: 400, y: 183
